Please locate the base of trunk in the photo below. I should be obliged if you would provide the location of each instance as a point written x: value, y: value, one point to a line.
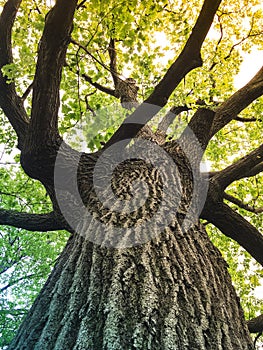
x: 171, y: 293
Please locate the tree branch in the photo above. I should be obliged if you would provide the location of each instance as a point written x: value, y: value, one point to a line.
x: 194, y: 136
x: 51, y: 58
x: 10, y: 102
x: 126, y: 89
x: 255, y: 170
x: 247, y: 166
x: 13, y: 312
x: 188, y: 59
x: 99, y: 86
x: 168, y: 119
x: 237, y: 102
x: 255, y: 325
x: 31, y: 222
x: 249, y: 35
x: 242, y: 205
x: 81, y: 4
x: 17, y: 281
x: 233, y: 225
x: 113, y: 62
x: 200, y: 124
x: 11, y: 263
x: 246, y: 120
x: 27, y: 92
x: 91, y: 82
x: 74, y: 42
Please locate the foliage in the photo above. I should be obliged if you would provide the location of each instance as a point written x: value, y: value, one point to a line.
x: 26, y: 258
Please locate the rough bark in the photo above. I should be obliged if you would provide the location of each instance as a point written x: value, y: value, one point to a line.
x: 171, y: 293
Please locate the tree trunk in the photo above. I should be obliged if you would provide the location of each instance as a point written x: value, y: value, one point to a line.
x: 158, y: 286
x: 173, y: 292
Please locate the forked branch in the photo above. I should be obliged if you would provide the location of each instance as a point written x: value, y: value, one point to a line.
x: 189, y: 58
x: 126, y: 89
x: 51, y: 58
x: 169, y: 118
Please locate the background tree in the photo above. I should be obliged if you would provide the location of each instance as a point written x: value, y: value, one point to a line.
x: 169, y: 290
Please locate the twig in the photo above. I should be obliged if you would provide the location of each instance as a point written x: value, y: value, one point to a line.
x: 242, y: 205
x: 99, y: 86
x: 246, y: 120
x: 81, y: 4
x: 90, y: 54
x: 27, y: 92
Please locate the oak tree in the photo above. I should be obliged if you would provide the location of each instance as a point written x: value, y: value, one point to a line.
x: 139, y: 270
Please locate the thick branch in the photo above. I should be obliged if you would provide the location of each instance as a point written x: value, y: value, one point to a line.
x: 51, y: 58
x: 255, y: 325
x: 195, y: 137
x: 237, y: 102
x: 255, y: 170
x: 10, y: 103
x: 200, y: 125
x: 188, y: 59
x: 236, y: 227
x: 30, y: 222
x: 247, y: 166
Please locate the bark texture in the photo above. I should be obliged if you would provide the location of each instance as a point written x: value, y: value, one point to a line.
x: 171, y: 293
